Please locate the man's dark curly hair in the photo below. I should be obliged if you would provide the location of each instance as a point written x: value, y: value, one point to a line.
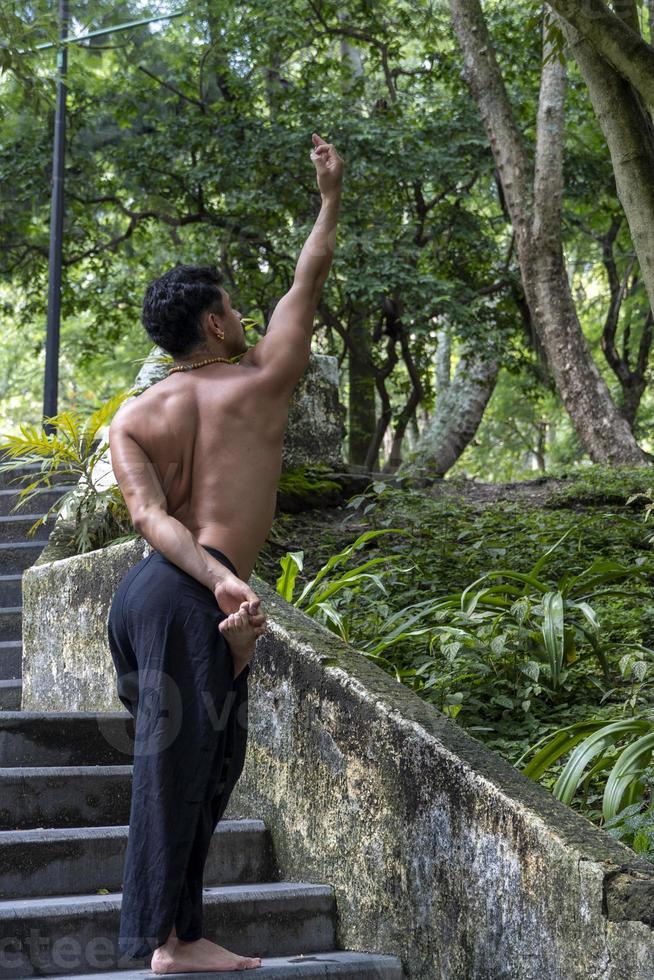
x: 174, y: 302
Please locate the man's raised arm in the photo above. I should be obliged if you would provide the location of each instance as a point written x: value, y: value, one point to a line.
x: 283, y: 352
x: 316, y: 256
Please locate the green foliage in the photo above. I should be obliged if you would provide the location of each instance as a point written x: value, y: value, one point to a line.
x: 647, y: 497
x: 594, y: 742
x: 464, y: 625
x: 522, y: 631
x: 536, y: 618
x: 594, y: 752
x: 330, y: 594
x: 610, y: 759
x: 596, y: 485
x: 634, y: 825
x: 96, y: 515
x: 190, y: 141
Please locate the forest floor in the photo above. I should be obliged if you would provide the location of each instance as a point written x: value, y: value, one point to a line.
x: 317, y: 531
x: 535, y: 493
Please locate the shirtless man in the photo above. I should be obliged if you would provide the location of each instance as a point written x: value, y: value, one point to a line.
x: 198, y: 455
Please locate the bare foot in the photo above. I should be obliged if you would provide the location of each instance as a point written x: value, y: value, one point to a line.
x: 176, y: 956
x: 241, y: 636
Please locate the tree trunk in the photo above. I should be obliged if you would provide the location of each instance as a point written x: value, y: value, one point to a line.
x: 632, y: 379
x: 362, y: 408
x: 628, y: 136
x: 412, y: 402
x: 615, y: 41
x: 443, y: 364
x: 461, y: 408
x: 362, y: 413
x: 535, y: 212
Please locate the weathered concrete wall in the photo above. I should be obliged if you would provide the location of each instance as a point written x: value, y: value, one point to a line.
x: 66, y: 659
x: 438, y: 850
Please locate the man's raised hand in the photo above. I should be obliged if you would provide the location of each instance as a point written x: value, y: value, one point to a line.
x: 328, y: 164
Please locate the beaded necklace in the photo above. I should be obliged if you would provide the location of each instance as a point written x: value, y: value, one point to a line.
x: 189, y: 367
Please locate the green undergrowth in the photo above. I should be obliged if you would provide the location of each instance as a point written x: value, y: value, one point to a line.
x: 443, y: 545
x: 593, y: 486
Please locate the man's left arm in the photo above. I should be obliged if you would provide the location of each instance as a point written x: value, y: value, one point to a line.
x: 146, y: 502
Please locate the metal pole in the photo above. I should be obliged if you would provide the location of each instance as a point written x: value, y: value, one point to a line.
x: 51, y: 380
x: 108, y: 30
x: 56, y: 227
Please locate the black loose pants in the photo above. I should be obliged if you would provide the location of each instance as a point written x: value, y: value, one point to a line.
x: 175, y: 675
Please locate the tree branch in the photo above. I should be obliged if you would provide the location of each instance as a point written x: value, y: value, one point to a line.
x: 187, y: 98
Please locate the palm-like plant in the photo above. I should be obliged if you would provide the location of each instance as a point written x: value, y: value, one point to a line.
x: 75, y: 451
x: 622, y: 746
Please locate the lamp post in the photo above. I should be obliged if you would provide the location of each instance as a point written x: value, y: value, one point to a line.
x: 51, y: 380
x: 56, y: 226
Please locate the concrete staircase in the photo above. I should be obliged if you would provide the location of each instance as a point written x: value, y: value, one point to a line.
x: 18, y: 552
x: 65, y: 793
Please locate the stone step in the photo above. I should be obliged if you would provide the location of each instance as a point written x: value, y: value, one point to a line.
x: 78, y: 933
x: 11, y: 589
x: 11, y: 693
x: 40, y: 502
x: 14, y: 527
x: 11, y: 660
x: 64, y: 796
x: 66, y: 738
x: 11, y: 623
x: 338, y: 964
x: 81, y: 860
x: 16, y: 556
x: 7, y: 476
x: 16, y: 478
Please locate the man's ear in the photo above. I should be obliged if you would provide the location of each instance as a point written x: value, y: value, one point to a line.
x: 214, y: 323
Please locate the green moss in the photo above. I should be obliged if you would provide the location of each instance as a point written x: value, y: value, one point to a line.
x: 306, y: 486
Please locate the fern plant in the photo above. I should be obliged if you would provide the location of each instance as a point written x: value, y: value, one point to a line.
x: 97, y: 516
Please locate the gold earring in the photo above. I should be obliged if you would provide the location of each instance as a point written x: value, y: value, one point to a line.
x: 222, y: 336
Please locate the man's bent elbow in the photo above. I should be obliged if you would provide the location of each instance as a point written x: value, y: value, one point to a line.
x: 146, y: 520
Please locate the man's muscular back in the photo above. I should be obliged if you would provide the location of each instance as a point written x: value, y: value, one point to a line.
x: 215, y: 440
